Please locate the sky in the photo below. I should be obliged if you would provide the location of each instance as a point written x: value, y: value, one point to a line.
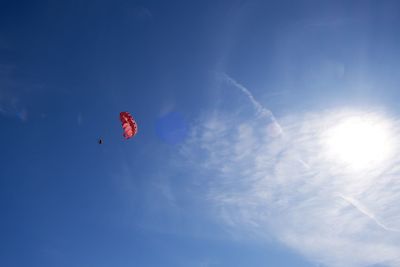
x: 268, y: 133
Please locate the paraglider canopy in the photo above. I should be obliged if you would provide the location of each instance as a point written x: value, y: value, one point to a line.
x: 128, y: 124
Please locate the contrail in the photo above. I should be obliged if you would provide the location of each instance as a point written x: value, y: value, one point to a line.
x: 364, y: 210
x: 262, y: 111
x: 275, y: 127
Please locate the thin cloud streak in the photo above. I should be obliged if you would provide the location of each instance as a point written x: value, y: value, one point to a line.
x: 262, y: 111
x: 364, y: 210
x: 274, y: 128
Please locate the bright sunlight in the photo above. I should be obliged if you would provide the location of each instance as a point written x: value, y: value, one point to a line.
x: 359, y: 142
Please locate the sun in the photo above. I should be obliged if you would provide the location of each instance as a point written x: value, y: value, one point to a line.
x: 358, y: 142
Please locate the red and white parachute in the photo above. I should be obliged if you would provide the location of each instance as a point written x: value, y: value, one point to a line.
x: 128, y: 124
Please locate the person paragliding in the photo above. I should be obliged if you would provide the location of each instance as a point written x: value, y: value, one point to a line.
x: 129, y: 126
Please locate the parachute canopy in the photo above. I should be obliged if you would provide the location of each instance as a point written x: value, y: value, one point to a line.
x: 128, y: 124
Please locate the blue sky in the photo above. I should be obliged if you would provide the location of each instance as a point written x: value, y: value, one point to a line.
x: 268, y: 133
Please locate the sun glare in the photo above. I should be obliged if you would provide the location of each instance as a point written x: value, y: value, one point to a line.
x: 359, y: 142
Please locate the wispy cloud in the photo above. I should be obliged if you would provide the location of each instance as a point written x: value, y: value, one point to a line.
x: 286, y: 188
x: 10, y: 101
x: 11, y: 107
x: 79, y: 119
x: 364, y: 210
x: 140, y: 13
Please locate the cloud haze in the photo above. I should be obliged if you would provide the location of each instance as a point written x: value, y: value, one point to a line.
x: 285, y: 187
